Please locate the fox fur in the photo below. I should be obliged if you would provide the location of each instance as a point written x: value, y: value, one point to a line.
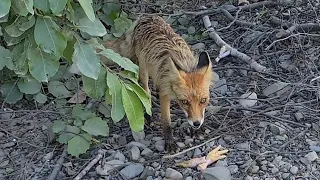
x: 176, y: 73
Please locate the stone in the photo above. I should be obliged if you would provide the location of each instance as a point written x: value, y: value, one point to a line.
x: 138, y: 144
x: 255, y: 169
x: 277, y: 129
x: 233, y: 169
x: 278, y: 88
x: 173, y: 174
x: 311, y: 156
x: 285, y: 175
x: 147, y: 152
x: 131, y: 171
x: 159, y: 145
x: 138, y: 136
x: 243, y: 146
x: 119, y: 156
x: 274, y: 170
x: 109, y: 165
x: 217, y: 173
x: 135, y: 153
x: 294, y: 170
x: 191, y: 30
x: 221, y: 163
x: 197, y: 152
x: 315, y: 148
x: 148, y: 171
x: 198, y: 46
x: 221, y: 86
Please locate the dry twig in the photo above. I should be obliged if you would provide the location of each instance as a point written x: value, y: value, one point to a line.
x: 58, y: 166
x: 89, y: 166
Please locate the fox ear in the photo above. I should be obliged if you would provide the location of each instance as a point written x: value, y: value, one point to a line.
x: 204, y: 60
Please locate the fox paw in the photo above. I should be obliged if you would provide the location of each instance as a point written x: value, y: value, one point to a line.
x: 170, y: 145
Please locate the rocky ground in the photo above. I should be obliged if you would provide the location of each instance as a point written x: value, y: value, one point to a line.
x: 269, y: 121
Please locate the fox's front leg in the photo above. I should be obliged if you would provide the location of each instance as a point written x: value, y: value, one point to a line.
x: 143, y: 80
x: 166, y: 121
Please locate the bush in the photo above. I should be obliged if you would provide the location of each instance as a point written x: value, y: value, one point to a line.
x: 41, y: 39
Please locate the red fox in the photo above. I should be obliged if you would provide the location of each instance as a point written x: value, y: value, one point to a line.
x: 176, y: 73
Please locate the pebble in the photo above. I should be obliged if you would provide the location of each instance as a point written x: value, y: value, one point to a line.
x: 191, y: 30
x: 155, y: 164
x: 197, y: 152
x: 119, y: 156
x: 131, y: 171
x: 315, y: 148
x: 148, y: 171
x: 285, y: 175
x: 311, y: 156
x: 199, y: 46
x: 147, y: 152
x: 243, y: 146
x: 255, y: 169
x: 221, y: 163
x: 138, y: 144
x: 188, y: 178
x: 217, y: 173
x: 159, y: 145
x: 249, y: 178
x: 294, y: 170
x: 180, y: 145
x: 109, y: 165
x: 277, y: 129
x: 233, y: 169
x: 274, y: 170
x: 135, y: 153
x: 173, y: 174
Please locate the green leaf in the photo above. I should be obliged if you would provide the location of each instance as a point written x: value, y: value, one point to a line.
x: 26, y: 23
x: 40, y: 98
x: 69, y: 132
x: 58, y: 126
x: 105, y: 109
x: 96, y: 126
x: 95, y: 88
x: 124, y: 62
x: 12, y: 40
x: 5, y: 58
x: 58, y: 89
x: 43, y: 5
x: 68, y: 51
x: 57, y: 6
x: 79, y: 144
x: 117, y: 111
x: 29, y: 86
x: 108, y: 97
x: 133, y: 109
x: 42, y: 65
x: 143, y: 96
x: 108, y: 8
x: 86, y: 59
x: 88, y: 9
x: 78, y: 111
x: 93, y: 28
x: 4, y: 7
x: 22, y: 7
x: 121, y: 24
x: 48, y: 38
x: 20, y: 58
x: 10, y: 93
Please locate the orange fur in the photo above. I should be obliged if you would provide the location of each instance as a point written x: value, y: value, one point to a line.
x: 166, y: 58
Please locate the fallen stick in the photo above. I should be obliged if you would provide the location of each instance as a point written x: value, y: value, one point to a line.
x: 192, y: 148
x: 89, y: 166
x: 226, y: 49
x: 58, y: 166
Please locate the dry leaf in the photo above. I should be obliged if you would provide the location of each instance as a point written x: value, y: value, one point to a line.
x: 78, y: 97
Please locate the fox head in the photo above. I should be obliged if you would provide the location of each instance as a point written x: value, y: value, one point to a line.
x: 191, y: 90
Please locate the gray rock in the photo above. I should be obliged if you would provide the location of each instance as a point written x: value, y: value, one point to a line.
x: 199, y: 46
x: 191, y: 30
x: 110, y: 165
x: 155, y: 164
x: 188, y: 178
x: 254, y: 169
x: 221, y: 86
x: 159, y: 145
x: 217, y: 173
x: 298, y: 116
x: 138, y: 136
x: 148, y: 171
x: 180, y: 145
x: 135, y: 153
x: 294, y: 170
x: 233, y: 169
x: 131, y: 171
x: 285, y: 175
x: 119, y: 156
x: 315, y: 148
x: 157, y: 138
x: 311, y: 156
x: 173, y: 174
x: 197, y: 152
x: 278, y: 88
x: 221, y: 163
x: 248, y: 178
x: 147, y: 152
x: 149, y: 178
x: 243, y: 146
x: 274, y: 170
x: 138, y: 144
x: 277, y: 129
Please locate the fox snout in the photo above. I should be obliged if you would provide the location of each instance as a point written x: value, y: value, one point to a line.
x: 195, y: 122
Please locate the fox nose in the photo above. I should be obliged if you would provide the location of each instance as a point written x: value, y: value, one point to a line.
x: 196, y: 124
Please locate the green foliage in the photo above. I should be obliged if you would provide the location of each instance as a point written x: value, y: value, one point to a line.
x: 41, y: 39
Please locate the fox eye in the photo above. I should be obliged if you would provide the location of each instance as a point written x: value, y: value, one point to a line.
x: 185, y: 102
x: 203, y: 100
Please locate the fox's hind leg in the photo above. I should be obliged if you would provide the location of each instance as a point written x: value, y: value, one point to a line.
x: 143, y: 80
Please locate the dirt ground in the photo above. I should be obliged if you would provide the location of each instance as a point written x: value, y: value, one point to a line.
x: 269, y: 121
